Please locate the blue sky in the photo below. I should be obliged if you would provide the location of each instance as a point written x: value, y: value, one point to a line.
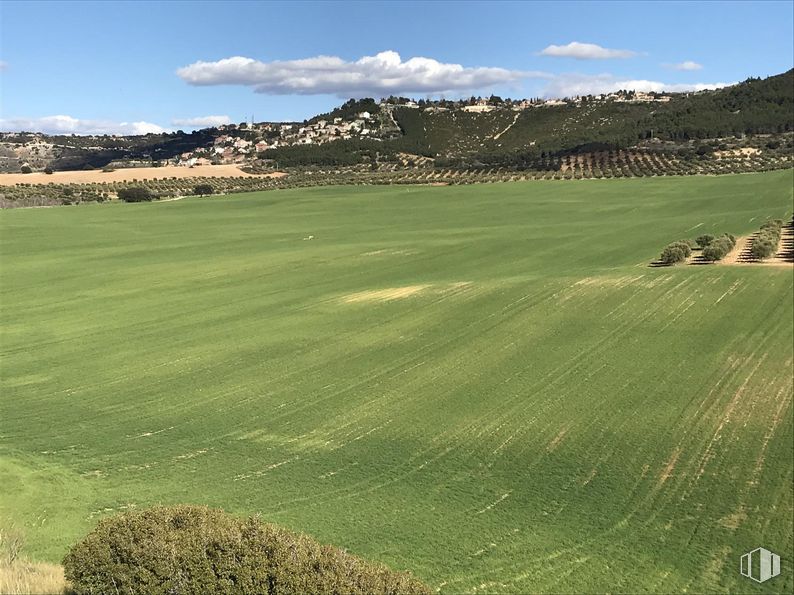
x: 143, y: 66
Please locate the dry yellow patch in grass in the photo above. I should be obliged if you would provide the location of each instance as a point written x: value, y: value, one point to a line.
x: 128, y: 174
x: 669, y: 467
x: 555, y: 442
x: 22, y: 576
x: 384, y: 295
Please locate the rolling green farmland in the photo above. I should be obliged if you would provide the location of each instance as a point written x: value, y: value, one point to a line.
x: 484, y: 384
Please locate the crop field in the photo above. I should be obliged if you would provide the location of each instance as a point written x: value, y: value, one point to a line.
x: 131, y: 174
x: 483, y: 384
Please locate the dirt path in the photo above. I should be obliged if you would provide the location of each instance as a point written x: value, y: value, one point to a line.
x: 740, y: 252
x: 509, y: 126
x: 127, y: 174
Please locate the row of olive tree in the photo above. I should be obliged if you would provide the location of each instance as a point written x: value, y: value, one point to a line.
x: 143, y: 194
x: 713, y: 248
x: 765, y: 243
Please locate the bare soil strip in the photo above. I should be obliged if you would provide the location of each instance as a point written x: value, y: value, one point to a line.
x: 128, y: 174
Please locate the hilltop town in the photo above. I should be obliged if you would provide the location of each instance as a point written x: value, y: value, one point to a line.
x: 247, y: 142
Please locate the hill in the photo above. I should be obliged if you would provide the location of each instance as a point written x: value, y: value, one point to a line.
x: 508, y: 133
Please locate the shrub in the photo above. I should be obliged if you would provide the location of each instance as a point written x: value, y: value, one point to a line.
x: 718, y: 248
x: 773, y: 224
x: 48, y: 170
x: 762, y: 248
x: 135, y: 194
x: 704, y: 240
x: 26, y: 169
x: 195, y: 549
x: 672, y: 254
x: 202, y: 189
x: 685, y: 246
x: 712, y: 253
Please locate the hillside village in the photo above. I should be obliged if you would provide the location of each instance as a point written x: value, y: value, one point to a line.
x: 245, y: 143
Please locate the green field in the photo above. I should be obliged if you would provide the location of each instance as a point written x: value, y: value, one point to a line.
x: 535, y: 410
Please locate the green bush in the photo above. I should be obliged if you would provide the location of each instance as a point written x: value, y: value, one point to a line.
x: 672, y: 254
x: 685, y: 246
x: 202, y: 189
x: 704, y: 240
x: 135, y: 194
x: 718, y: 248
x: 762, y: 248
x: 188, y: 549
x: 26, y: 169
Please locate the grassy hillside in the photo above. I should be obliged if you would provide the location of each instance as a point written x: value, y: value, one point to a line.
x: 484, y: 384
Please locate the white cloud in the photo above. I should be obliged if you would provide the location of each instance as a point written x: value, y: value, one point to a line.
x: 68, y: 125
x: 202, y: 121
x: 383, y: 74
x: 686, y: 65
x: 585, y: 51
x: 569, y: 85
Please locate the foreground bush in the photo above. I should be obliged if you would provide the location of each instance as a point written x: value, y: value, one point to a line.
x: 194, y: 549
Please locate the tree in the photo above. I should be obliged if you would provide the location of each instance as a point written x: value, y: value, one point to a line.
x: 763, y: 247
x: 704, y: 240
x: 672, y: 254
x: 195, y: 549
x: 202, y: 189
x: 135, y: 194
x: 718, y: 248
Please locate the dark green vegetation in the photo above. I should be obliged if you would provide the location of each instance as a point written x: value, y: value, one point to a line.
x: 135, y: 194
x: 485, y: 384
x: 194, y: 549
x: 203, y: 189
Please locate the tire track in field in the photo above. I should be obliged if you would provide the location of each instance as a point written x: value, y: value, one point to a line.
x: 449, y: 338
x: 578, y: 547
x: 462, y: 435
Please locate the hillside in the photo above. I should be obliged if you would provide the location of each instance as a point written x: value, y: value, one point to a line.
x: 464, y: 133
